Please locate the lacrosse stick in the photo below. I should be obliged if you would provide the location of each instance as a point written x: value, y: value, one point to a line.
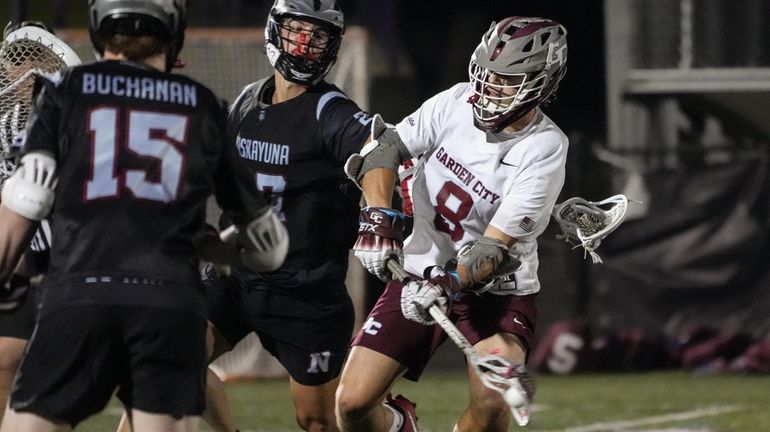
x: 586, y: 223
x: 24, y: 53
x: 514, y: 383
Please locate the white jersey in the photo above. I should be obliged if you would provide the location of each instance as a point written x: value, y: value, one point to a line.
x: 466, y: 180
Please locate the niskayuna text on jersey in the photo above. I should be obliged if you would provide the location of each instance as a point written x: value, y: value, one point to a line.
x: 263, y: 151
x: 147, y: 88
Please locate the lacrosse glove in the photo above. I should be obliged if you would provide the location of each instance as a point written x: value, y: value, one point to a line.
x: 380, y: 237
x: 420, y: 295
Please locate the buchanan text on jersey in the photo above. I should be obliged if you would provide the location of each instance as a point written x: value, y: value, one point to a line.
x: 154, y: 89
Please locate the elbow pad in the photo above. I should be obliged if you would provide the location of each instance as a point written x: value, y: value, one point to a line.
x: 30, y: 190
x: 264, y: 242
x: 386, y: 150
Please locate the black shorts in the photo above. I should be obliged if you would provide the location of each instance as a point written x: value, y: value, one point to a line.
x: 309, y: 336
x: 20, y: 321
x: 80, y: 354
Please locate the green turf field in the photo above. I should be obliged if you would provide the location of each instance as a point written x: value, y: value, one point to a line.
x: 668, y: 401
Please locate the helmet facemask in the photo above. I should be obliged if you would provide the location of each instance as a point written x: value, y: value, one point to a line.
x: 302, y: 39
x: 498, y: 96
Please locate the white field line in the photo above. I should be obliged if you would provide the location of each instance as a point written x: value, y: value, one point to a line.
x: 674, y: 430
x: 625, y: 424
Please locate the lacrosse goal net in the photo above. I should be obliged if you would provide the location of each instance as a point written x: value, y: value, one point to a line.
x: 226, y: 60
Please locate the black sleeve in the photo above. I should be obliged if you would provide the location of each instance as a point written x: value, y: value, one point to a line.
x: 344, y: 128
x: 42, y: 130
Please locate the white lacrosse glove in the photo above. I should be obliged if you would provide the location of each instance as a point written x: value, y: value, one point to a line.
x: 420, y: 295
x: 263, y: 242
x: 30, y: 191
x: 380, y: 238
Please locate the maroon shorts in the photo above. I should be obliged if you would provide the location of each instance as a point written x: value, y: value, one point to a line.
x: 477, y: 317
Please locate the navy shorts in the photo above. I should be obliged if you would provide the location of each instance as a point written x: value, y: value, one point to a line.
x: 309, y: 335
x: 412, y: 344
x: 80, y: 354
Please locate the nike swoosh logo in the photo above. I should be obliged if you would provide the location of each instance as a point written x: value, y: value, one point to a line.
x: 502, y: 162
x: 516, y: 320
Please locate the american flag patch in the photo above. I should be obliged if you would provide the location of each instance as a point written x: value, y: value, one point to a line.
x: 527, y: 224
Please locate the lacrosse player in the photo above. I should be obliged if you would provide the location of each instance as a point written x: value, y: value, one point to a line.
x: 28, y: 49
x: 294, y: 132
x: 491, y: 167
x: 123, y: 155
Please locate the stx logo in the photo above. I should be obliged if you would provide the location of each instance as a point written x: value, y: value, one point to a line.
x: 319, y: 362
x: 367, y: 227
x: 371, y: 326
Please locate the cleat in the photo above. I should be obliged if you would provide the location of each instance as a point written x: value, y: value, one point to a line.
x: 407, y: 409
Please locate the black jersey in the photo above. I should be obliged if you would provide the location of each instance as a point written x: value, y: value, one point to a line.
x: 296, y: 151
x: 138, y: 152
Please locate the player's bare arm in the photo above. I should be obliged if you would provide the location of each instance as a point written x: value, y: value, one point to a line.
x: 377, y: 186
x: 374, y: 170
x: 27, y: 197
x: 15, y: 234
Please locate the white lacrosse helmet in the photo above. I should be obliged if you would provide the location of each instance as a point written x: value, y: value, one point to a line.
x: 25, y: 52
x: 517, y: 66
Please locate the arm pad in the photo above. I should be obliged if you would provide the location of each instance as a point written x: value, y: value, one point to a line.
x: 29, y: 192
x: 385, y: 150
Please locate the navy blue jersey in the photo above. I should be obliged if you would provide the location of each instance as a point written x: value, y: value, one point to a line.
x: 138, y: 152
x: 295, y: 151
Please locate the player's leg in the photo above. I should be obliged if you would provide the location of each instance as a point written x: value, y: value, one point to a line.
x: 15, y: 421
x: 514, y: 318
x: 17, y: 321
x: 70, y: 370
x: 164, y: 386
x: 11, y: 351
x: 310, y: 339
x: 217, y: 414
x: 365, y: 383
x: 226, y: 298
x: 145, y: 421
x: 387, y: 346
x: 314, y: 405
x: 486, y: 409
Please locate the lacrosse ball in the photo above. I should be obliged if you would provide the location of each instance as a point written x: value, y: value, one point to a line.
x: 514, y: 397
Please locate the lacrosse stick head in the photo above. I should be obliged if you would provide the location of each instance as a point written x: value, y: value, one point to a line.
x: 26, y: 52
x: 514, y: 383
x: 586, y: 223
